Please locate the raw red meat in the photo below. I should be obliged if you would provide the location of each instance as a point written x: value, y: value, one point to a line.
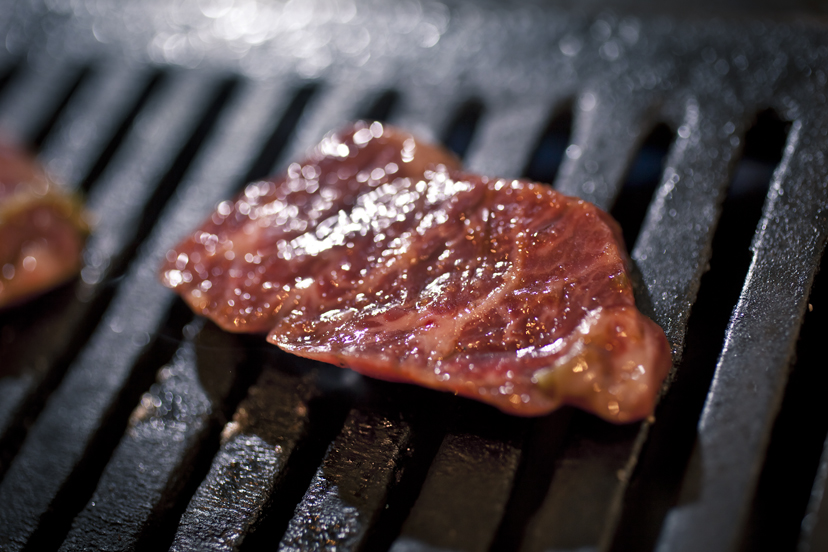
x: 240, y: 266
x: 500, y: 290
x: 42, y: 230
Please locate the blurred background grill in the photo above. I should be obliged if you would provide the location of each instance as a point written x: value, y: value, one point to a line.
x: 128, y: 424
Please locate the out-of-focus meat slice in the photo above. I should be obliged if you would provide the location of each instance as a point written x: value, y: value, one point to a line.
x: 504, y: 291
x: 240, y: 266
x: 42, y: 230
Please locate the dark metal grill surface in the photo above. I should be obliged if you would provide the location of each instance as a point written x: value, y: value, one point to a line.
x: 128, y: 424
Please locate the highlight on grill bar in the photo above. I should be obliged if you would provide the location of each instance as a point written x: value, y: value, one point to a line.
x: 127, y: 423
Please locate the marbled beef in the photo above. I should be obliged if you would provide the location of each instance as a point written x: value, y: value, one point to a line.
x: 377, y: 254
x: 239, y: 268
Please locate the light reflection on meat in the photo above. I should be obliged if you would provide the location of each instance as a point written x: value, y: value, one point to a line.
x: 379, y: 255
x: 240, y: 267
x: 42, y: 230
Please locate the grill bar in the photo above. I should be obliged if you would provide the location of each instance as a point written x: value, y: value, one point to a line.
x: 259, y: 452
x: 146, y: 156
x: 815, y: 525
x: 749, y: 381
x: 685, y: 210
x: 84, y: 405
x: 506, y: 132
x: 464, y: 496
x: 606, y: 133
x: 585, y: 478
x: 778, y: 510
x: 35, y: 95
x: 34, y: 360
x: 47, y: 343
x: 350, y: 489
x: 599, y: 461
x: 167, y: 434
x: 88, y: 124
x: 494, y: 483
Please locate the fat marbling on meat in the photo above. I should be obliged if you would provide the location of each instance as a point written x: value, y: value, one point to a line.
x: 379, y: 255
x: 42, y: 229
x: 239, y: 268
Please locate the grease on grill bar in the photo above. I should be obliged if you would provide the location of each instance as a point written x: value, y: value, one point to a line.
x: 256, y: 454
x: 168, y: 436
x: 465, y: 493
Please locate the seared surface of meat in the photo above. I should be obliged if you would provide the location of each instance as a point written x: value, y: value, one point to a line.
x: 42, y: 230
x: 378, y: 255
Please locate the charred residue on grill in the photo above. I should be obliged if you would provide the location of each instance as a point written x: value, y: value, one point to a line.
x: 385, y: 433
x: 268, y: 456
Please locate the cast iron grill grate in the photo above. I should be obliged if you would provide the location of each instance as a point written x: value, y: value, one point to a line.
x: 128, y: 424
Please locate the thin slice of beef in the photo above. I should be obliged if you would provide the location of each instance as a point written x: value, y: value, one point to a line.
x: 42, y: 229
x: 504, y: 291
x: 500, y: 290
x: 239, y: 268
